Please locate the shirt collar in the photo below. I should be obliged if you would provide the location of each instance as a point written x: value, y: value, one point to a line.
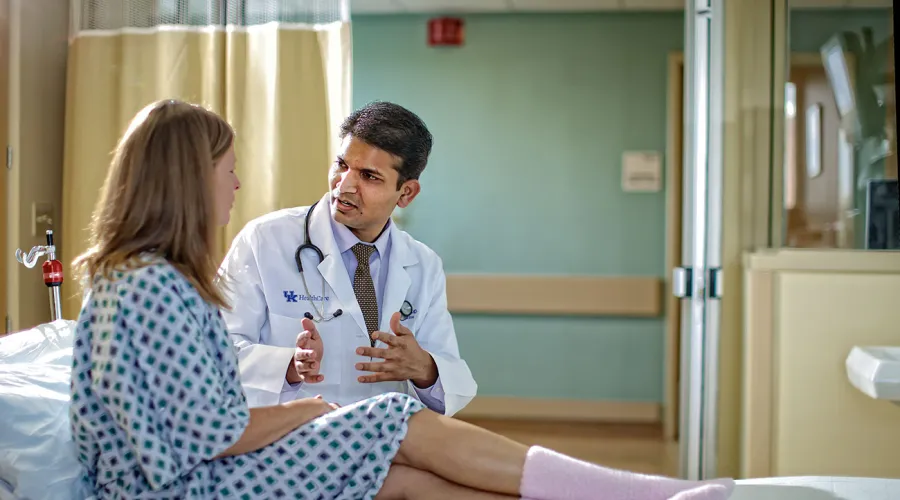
x: 345, y: 239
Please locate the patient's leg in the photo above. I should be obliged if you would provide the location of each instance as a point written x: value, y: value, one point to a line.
x: 408, y: 483
x: 463, y: 453
x: 468, y: 455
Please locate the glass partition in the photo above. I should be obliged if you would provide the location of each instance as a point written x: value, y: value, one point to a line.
x: 840, y: 145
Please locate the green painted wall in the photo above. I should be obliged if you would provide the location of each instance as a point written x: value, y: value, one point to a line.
x: 530, y: 120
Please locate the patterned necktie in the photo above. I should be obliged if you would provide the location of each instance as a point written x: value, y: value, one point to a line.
x: 363, y: 287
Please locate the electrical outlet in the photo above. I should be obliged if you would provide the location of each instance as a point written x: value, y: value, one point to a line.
x: 41, y: 215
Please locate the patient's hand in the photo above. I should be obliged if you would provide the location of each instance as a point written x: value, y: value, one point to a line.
x: 312, y: 408
x: 307, y: 360
x: 333, y: 406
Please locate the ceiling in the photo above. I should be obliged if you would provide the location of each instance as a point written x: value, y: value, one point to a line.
x: 501, y: 6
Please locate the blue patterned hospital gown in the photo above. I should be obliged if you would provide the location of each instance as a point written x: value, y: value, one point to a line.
x: 156, y: 396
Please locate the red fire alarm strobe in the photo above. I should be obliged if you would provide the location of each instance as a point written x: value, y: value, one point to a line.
x: 444, y: 31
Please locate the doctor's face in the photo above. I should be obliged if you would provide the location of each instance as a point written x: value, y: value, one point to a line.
x: 364, y: 191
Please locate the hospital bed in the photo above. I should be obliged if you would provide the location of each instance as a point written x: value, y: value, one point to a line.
x: 37, y: 456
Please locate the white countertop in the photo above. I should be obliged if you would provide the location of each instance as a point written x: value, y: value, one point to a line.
x: 817, y: 488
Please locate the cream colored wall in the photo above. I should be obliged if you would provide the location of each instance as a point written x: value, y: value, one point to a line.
x: 37, y: 78
x: 747, y: 133
x: 805, y: 311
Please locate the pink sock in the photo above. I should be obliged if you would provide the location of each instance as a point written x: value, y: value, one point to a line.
x: 552, y: 476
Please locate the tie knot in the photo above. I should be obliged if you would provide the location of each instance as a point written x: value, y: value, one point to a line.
x: 362, y: 253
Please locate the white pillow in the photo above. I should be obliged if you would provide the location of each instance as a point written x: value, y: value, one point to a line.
x: 37, y: 456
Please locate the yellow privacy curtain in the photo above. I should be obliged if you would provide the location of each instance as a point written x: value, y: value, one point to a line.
x: 277, y: 70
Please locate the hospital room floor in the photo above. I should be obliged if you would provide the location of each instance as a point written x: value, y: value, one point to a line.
x: 639, y: 448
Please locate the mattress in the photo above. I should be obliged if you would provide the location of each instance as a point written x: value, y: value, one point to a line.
x: 817, y: 488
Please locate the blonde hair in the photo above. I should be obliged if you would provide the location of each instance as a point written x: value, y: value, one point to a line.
x: 158, y: 196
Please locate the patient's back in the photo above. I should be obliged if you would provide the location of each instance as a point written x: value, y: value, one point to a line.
x: 155, y: 385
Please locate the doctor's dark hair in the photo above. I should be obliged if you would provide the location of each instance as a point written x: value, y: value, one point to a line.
x: 158, y: 198
x: 395, y: 129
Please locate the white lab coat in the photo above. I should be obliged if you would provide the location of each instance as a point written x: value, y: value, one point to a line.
x: 268, y: 303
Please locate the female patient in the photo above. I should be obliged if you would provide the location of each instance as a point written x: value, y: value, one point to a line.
x: 157, y: 405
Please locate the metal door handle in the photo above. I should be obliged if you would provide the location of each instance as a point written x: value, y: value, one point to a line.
x: 715, y: 283
x: 682, y: 282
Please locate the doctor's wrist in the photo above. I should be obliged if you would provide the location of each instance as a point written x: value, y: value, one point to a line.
x: 291, y: 375
x: 428, y: 373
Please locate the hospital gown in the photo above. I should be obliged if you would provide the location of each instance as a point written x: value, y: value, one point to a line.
x: 156, y: 397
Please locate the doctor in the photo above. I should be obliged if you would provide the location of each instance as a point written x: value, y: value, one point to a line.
x: 334, y: 299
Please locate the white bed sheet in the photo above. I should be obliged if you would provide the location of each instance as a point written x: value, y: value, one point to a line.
x: 792, y: 488
x: 37, y: 456
x: 817, y: 488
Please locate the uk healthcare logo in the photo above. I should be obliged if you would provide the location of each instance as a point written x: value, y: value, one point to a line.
x: 291, y: 296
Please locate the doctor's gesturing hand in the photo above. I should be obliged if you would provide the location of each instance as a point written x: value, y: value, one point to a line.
x: 307, y: 360
x: 404, y: 359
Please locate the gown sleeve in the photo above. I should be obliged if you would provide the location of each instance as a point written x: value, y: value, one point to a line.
x: 154, y: 371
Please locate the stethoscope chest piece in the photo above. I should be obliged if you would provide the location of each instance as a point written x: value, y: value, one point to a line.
x: 406, y: 310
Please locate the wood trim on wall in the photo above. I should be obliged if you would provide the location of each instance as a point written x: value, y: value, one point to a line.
x: 561, y: 410
x: 555, y: 295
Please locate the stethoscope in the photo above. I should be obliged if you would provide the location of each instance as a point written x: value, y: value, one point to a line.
x: 405, y: 310
x: 308, y: 245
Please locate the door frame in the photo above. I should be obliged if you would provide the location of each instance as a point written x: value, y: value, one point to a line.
x: 4, y: 143
x: 674, y: 213
x: 674, y: 210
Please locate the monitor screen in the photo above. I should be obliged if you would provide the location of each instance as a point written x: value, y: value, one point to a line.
x: 882, y: 215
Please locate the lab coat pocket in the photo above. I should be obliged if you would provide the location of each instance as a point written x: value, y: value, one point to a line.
x: 286, y: 329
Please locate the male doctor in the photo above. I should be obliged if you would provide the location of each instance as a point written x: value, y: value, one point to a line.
x: 359, y: 307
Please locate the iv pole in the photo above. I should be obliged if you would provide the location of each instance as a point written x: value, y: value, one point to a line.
x: 52, y: 268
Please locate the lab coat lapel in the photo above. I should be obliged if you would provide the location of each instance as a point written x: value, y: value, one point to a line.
x: 398, y: 280
x: 332, y: 267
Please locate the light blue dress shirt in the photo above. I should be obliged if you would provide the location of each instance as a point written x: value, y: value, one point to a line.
x: 433, y: 396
